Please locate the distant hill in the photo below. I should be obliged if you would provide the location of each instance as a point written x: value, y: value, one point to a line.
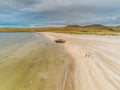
x: 73, y: 26
x: 98, y: 26
x: 95, y: 26
x: 88, y: 26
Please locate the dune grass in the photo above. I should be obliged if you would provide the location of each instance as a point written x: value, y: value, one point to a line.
x: 72, y: 30
x: 116, y: 29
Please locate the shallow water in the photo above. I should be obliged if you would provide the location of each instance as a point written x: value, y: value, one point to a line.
x: 28, y: 61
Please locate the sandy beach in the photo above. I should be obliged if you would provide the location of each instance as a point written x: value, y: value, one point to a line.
x: 94, y: 61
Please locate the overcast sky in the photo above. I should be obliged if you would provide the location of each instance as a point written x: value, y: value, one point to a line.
x: 42, y: 13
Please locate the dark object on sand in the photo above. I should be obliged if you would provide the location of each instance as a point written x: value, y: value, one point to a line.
x: 60, y: 41
x: 86, y: 55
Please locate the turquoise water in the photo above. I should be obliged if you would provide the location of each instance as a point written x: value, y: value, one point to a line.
x: 11, y: 42
x: 14, y: 38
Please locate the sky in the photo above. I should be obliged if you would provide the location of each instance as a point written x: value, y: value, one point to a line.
x: 47, y: 13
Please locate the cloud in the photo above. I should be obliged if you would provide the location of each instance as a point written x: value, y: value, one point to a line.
x: 59, y: 12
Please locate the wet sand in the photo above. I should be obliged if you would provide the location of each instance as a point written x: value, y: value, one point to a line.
x: 31, y: 63
x: 94, y: 61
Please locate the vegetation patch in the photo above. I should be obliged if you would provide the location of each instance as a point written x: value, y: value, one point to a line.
x: 73, y: 29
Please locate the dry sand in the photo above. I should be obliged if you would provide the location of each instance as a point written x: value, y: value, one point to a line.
x: 94, y: 62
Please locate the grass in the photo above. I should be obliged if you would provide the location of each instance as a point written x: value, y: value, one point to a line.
x: 116, y: 29
x: 72, y: 30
